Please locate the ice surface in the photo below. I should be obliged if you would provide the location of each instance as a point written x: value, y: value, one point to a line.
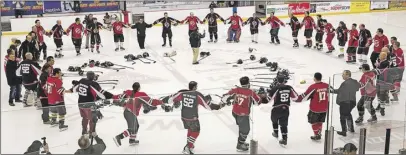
x: 163, y: 132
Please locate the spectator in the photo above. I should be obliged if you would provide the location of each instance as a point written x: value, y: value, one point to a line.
x: 76, y: 6
x: 28, y: 46
x: 392, y: 41
x: 348, y: 148
x: 88, y: 149
x: 212, y: 5
x: 18, y: 11
x: 346, y: 99
x: 12, y: 80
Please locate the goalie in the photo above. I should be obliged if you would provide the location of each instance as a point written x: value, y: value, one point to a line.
x: 234, y: 31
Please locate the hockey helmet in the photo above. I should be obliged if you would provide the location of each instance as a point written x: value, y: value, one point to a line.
x: 252, y: 57
x: 139, y: 56
x: 166, y: 54
x: 97, y: 63
x: 250, y: 50
x: 145, y: 54
x: 263, y: 60
x: 239, y: 61
x: 71, y: 68
x: 81, y: 72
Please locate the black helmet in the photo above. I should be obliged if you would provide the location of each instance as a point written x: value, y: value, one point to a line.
x: 365, y: 67
x: 90, y: 75
x: 244, y: 81
x: 192, y: 85
x: 281, y: 78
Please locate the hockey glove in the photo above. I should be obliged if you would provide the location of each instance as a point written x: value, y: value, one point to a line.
x: 99, y: 114
x: 167, y: 108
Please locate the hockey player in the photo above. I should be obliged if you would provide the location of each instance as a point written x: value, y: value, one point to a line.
x: 77, y: 30
x: 295, y: 26
x: 94, y: 29
x: 234, y: 31
x: 308, y: 23
x: 29, y: 70
x: 319, y: 33
x: 364, y: 41
x: 89, y: 92
x: 274, y: 22
x: 40, y: 32
x: 352, y: 44
x: 342, y: 37
x: 141, y: 27
x: 42, y: 92
x: 107, y: 20
x: 192, y: 20
x: 243, y: 98
x: 254, y: 22
x: 118, y: 34
x: 329, y: 29
x: 132, y: 100
x: 55, y: 91
x: 368, y: 93
x: 384, y: 80
x: 282, y: 95
x: 190, y: 101
x: 212, y: 19
x: 318, y: 95
x: 398, y: 62
x: 380, y: 41
x: 166, y: 27
x: 87, y: 21
x: 57, y: 31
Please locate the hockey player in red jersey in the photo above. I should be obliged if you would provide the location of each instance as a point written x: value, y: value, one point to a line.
x: 55, y: 91
x: 329, y: 29
x: 190, y: 101
x: 40, y: 32
x: 275, y: 24
x: 352, y: 44
x: 318, y: 95
x: 118, y: 34
x: 192, y: 20
x: 368, y: 93
x: 234, y: 31
x: 77, y: 30
x: 132, y: 101
x: 342, y: 37
x: 380, y: 41
x: 398, y: 61
x: 309, y: 25
x: 243, y: 98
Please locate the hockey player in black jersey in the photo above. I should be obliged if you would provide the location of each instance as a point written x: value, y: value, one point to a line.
x: 212, y: 18
x: 319, y: 34
x: 254, y: 22
x: 166, y: 27
x: 295, y: 25
x: 57, y: 31
x: 282, y: 95
x: 29, y: 70
x: 94, y: 29
x: 89, y: 92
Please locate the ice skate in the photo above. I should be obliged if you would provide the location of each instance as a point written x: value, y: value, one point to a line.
x: 395, y: 100
x: 274, y: 134
x: 382, y: 111
x: 116, y: 49
x: 117, y: 140
x: 272, y: 42
x: 373, y: 119
x: 163, y: 45
x: 315, y: 137
x: 320, y: 48
x: 256, y: 42
x: 77, y: 54
x: 87, y: 47
x: 351, y: 61
x: 60, y: 55
x: 47, y: 122
x: 329, y: 52
x: 215, y: 41
x: 122, y: 48
x: 210, y: 41
x: 341, y: 56
x: 11, y: 103
x: 187, y: 150
x: 277, y: 43
x: 342, y: 133
x: 18, y: 101
x: 241, y: 147
x: 62, y: 126
x: 252, y: 41
x: 359, y: 120
x: 133, y: 142
x: 283, y: 142
x: 54, y: 123
x: 98, y: 51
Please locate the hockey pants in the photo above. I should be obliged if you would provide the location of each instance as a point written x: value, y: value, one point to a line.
x: 234, y: 35
x: 132, y: 125
x: 43, y: 48
x: 165, y: 33
x: 346, y: 119
x: 274, y: 35
x: 329, y: 40
x: 87, y: 40
x: 58, y: 110
x: 243, y: 123
x: 280, y: 117
x: 213, y: 32
x: 365, y: 102
x: 89, y: 119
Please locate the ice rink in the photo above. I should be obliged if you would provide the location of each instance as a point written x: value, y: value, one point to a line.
x: 162, y: 132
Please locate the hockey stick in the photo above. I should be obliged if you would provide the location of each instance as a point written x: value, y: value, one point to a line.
x: 107, y: 80
x: 145, y: 61
x: 257, y: 85
x: 262, y: 82
x: 171, y: 59
x: 153, y: 61
x: 264, y: 78
x: 109, y: 83
x: 94, y: 71
x: 70, y: 75
x: 272, y: 74
x: 263, y: 67
x: 123, y: 66
x: 202, y: 58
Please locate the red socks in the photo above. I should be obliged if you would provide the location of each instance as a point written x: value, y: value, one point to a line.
x: 317, y: 127
x: 191, y: 138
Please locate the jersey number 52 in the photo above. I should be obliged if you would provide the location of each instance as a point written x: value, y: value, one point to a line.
x: 188, y: 102
x: 82, y: 91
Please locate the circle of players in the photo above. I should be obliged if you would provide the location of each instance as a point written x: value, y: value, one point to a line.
x: 50, y: 89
